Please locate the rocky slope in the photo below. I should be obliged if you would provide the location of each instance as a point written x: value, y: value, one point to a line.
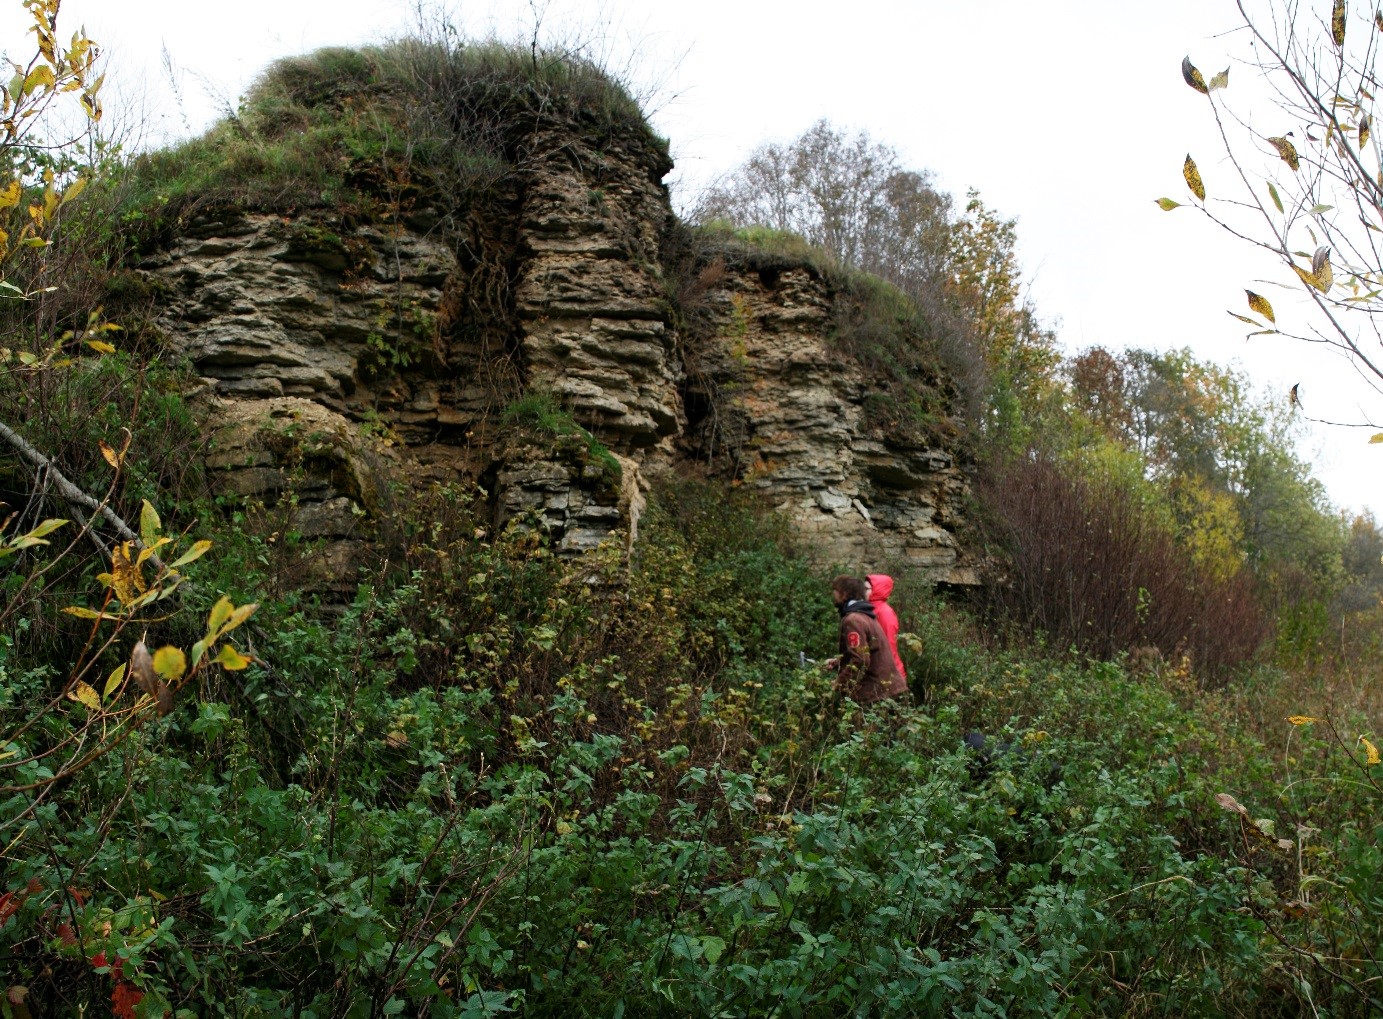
x: 343, y: 360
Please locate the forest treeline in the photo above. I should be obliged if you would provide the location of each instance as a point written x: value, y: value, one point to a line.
x: 503, y: 781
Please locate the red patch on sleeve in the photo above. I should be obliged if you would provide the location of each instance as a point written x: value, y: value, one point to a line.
x: 853, y: 639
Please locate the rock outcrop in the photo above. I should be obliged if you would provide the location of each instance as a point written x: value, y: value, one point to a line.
x: 398, y: 344
x: 789, y: 409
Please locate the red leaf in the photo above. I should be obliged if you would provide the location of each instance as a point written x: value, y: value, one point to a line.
x: 123, y: 1000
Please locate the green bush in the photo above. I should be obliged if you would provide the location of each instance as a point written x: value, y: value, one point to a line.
x: 490, y: 785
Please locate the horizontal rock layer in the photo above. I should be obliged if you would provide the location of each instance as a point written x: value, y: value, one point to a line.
x: 410, y: 342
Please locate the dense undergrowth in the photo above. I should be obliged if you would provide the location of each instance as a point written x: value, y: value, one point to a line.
x: 497, y: 783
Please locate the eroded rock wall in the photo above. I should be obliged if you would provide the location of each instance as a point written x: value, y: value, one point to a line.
x: 786, y: 408
x: 390, y: 350
x: 591, y: 296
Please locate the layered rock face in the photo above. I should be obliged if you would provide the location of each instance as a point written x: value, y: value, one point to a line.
x: 789, y: 409
x: 590, y: 297
x: 389, y: 353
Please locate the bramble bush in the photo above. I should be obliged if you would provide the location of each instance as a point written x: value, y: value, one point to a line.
x: 492, y: 786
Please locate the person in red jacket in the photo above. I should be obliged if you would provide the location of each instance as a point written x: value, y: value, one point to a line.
x: 864, y: 670
x: 878, y: 587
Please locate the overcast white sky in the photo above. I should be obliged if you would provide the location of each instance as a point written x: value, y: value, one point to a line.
x: 1070, y: 115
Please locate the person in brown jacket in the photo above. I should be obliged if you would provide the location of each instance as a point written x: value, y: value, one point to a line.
x: 865, y: 669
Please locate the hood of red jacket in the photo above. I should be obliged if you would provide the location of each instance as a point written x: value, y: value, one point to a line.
x: 880, y: 586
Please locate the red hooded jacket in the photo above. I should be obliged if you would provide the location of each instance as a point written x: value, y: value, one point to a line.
x: 880, y: 587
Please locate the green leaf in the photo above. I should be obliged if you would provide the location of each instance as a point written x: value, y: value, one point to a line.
x: 1272, y: 193
x: 1220, y: 80
x: 1243, y: 318
x: 1167, y: 205
x: 46, y: 528
x: 1316, y: 210
x: 714, y: 949
x: 149, y: 523
x: 117, y: 677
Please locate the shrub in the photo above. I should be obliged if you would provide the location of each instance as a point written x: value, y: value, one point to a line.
x: 1092, y: 568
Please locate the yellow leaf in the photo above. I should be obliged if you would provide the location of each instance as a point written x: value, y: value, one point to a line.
x: 74, y: 189
x: 220, y: 612
x: 196, y: 552
x: 1337, y: 23
x: 1287, y: 151
x: 110, y: 455
x: 81, y: 613
x: 1260, y: 305
x: 40, y: 77
x: 1193, y: 77
x: 10, y: 196
x: 100, y: 346
x: 1193, y: 178
x: 230, y: 659
x: 241, y: 614
x: 1323, y: 275
x: 1302, y: 719
x: 126, y: 576
x: 1370, y: 751
x: 84, y: 694
x: 1376, y: 438
x: 170, y: 662
x: 1220, y: 80
x: 117, y: 677
x: 148, y: 553
x: 149, y: 523
x: 1363, y: 131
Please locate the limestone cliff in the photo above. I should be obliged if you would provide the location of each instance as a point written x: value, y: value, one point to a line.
x: 367, y: 353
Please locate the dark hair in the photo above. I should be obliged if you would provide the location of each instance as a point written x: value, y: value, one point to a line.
x: 851, y: 587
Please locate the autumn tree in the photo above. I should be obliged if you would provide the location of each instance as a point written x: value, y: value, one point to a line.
x: 1304, y: 182
x: 849, y: 196
x: 853, y: 198
x: 1223, y: 454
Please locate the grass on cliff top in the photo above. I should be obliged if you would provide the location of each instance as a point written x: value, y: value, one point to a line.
x: 339, y: 128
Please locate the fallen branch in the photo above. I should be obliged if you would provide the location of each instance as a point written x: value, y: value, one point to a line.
x: 71, y: 492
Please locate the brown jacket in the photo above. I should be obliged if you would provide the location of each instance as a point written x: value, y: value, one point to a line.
x: 867, y: 672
